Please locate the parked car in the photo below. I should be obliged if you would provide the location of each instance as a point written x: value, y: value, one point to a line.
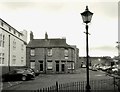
x: 105, y: 68
x: 112, y: 70
x: 94, y: 69
x: 90, y: 67
x: 32, y: 70
x: 37, y: 72
x: 18, y: 74
x: 118, y: 73
x: 83, y: 66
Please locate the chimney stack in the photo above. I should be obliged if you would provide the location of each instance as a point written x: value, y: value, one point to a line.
x: 31, y: 35
x: 46, y: 36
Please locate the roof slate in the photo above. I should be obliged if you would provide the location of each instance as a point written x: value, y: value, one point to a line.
x: 48, y: 43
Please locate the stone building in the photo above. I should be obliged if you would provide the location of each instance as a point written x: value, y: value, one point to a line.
x: 51, y: 55
x: 12, y: 47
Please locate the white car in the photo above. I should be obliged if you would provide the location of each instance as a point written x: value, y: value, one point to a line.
x: 115, y: 69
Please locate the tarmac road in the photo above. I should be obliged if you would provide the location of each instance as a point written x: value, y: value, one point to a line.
x: 46, y: 80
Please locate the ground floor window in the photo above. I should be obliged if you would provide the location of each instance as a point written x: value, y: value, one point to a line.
x: 49, y: 64
x: 32, y: 64
x: 70, y: 65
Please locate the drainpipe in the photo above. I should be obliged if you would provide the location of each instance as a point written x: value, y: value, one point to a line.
x: 45, y: 59
x: 9, y: 55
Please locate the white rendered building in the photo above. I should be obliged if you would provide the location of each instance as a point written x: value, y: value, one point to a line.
x: 12, y: 46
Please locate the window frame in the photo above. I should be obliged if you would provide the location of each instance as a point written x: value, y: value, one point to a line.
x: 49, y: 51
x: 32, y: 52
x: 49, y: 65
x: 66, y: 52
x: 33, y: 64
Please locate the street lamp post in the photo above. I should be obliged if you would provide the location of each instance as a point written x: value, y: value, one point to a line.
x: 87, y: 16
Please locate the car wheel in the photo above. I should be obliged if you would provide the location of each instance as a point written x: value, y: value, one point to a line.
x: 24, y: 78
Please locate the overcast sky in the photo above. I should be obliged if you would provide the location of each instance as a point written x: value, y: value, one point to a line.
x: 61, y: 18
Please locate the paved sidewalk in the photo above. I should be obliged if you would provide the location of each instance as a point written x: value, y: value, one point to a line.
x: 5, y: 85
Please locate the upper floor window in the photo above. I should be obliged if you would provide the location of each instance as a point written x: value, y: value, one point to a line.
x: 9, y: 28
x: 32, y: 52
x: 14, y: 32
x: 1, y: 23
x: 18, y: 34
x: 0, y: 40
x: 3, y: 44
x: 49, y: 51
x: 22, y: 60
x: 3, y: 37
x: 2, y: 57
x: 14, y: 44
x: 66, y: 52
x: 13, y: 59
x: 22, y: 47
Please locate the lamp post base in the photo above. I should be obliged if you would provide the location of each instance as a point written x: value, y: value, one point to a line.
x: 88, y: 88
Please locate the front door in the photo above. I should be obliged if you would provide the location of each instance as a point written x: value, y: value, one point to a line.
x: 57, y: 67
x: 41, y: 66
x: 62, y: 67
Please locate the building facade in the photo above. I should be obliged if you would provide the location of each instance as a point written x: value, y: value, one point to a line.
x: 106, y: 60
x: 51, y: 55
x: 12, y: 47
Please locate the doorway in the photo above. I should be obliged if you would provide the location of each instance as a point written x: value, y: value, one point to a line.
x: 41, y: 65
x: 62, y: 67
x: 57, y: 66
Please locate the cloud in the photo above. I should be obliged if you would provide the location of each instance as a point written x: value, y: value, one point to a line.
x: 107, y: 8
x: 103, y: 48
x: 16, y: 5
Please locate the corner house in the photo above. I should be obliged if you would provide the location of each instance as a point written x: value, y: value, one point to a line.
x: 51, y: 55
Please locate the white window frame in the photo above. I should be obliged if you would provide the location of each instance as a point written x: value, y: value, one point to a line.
x: 14, y: 44
x: 22, y: 47
x: 3, y: 45
x: 49, y: 65
x: 22, y: 60
x: 1, y: 40
x: 66, y: 52
x: 49, y: 51
x: 2, y: 58
x: 32, y: 52
x: 14, y: 59
x: 69, y: 65
x: 32, y: 64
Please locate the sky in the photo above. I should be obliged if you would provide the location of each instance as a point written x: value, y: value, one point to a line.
x: 62, y: 19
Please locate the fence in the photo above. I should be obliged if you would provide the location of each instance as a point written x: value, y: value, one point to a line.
x: 96, y: 85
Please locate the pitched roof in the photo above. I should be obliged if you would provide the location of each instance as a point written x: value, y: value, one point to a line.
x: 48, y: 43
